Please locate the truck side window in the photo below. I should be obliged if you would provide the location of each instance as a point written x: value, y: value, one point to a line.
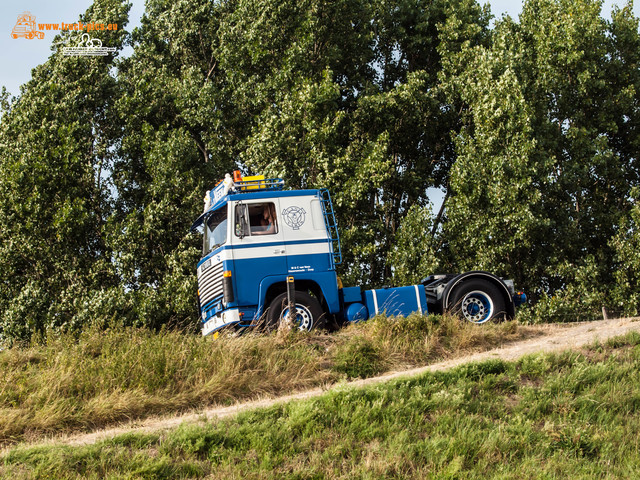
x: 256, y: 219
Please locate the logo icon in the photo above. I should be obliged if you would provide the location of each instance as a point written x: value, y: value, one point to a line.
x: 26, y: 27
x: 294, y: 217
x: 88, y: 47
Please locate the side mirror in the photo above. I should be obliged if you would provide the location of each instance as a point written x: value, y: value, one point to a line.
x: 241, y: 224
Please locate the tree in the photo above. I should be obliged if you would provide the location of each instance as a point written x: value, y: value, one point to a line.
x: 57, y: 142
x: 626, y: 244
x: 345, y: 96
x: 542, y: 176
x: 177, y: 139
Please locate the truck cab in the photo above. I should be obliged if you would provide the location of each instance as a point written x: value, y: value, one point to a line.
x: 255, y: 236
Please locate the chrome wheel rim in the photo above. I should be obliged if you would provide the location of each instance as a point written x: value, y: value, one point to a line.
x: 477, y: 307
x: 303, y: 320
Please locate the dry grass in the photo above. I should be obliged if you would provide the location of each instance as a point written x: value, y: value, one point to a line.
x: 419, y: 340
x: 104, y: 377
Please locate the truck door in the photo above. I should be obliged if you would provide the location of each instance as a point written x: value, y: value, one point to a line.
x: 258, y: 247
x: 305, y: 234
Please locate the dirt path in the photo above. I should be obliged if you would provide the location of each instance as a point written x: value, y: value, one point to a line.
x: 554, y: 339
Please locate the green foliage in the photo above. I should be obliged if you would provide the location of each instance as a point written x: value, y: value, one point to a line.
x: 530, y: 128
x: 544, y: 415
x: 581, y: 300
x: 357, y: 358
x: 626, y: 244
x: 339, y: 95
x: 414, y: 254
x: 544, y: 170
x: 58, y: 140
x: 173, y: 146
x: 343, y: 96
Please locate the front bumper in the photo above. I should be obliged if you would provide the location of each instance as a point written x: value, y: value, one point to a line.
x: 223, y: 319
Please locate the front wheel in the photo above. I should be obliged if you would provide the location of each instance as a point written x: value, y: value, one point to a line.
x: 308, y: 315
x: 478, y: 301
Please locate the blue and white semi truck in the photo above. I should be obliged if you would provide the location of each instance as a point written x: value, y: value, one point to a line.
x: 270, y: 255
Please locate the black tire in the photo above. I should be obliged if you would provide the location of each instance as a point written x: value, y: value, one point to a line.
x: 309, y: 312
x: 477, y: 301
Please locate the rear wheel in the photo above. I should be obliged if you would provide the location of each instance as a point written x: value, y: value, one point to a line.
x: 308, y: 314
x: 478, y: 301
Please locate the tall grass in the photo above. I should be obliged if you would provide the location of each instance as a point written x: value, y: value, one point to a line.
x: 572, y: 415
x: 102, y: 377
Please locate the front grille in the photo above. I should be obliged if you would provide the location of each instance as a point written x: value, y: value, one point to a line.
x: 210, y: 283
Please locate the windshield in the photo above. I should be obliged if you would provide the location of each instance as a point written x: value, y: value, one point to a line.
x: 215, y: 230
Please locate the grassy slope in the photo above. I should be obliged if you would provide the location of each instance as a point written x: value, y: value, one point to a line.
x: 104, y: 377
x: 574, y: 415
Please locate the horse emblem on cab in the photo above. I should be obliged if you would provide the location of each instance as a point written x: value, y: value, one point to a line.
x: 294, y: 217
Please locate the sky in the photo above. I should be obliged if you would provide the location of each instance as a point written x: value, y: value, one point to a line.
x: 19, y: 56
